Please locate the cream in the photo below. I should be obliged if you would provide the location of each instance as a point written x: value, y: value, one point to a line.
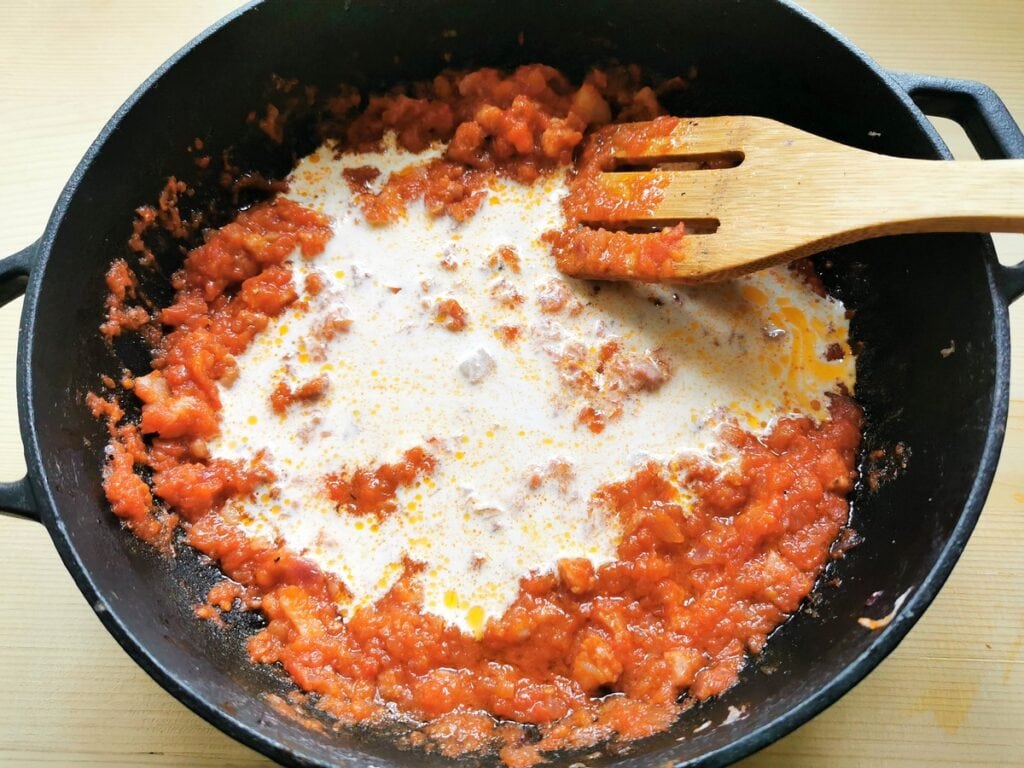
x: 516, y: 467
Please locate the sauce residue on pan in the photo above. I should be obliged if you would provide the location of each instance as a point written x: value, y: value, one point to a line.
x: 522, y: 512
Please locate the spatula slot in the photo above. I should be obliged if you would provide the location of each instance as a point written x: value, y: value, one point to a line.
x: 694, y: 226
x: 708, y: 161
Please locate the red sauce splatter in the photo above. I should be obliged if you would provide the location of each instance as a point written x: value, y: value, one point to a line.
x: 284, y: 396
x: 314, y: 283
x: 504, y: 258
x: 123, y: 288
x: 509, y: 334
x: 451, y: 315
x: 359, y: 179
x: 594, y: 419
x: 373, y: 491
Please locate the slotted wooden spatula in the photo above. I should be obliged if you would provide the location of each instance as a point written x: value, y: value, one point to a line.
x: 752, y: 192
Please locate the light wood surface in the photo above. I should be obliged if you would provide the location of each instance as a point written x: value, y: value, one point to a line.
x: 951, y: 694
x: 802, y: 194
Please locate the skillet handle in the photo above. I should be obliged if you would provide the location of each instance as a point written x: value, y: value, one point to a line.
x: 987, y: 123
x: 16, y: 497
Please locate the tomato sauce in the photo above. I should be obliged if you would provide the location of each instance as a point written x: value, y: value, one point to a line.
x: 226, y: 291
x: 451, y: 315
x: 518, y: 126
x: 284, y: 396
x: 372, y: 491
x: 586, y: 250
x: 583, y: 654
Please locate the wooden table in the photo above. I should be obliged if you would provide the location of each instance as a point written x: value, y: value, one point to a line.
x: 952, y: 694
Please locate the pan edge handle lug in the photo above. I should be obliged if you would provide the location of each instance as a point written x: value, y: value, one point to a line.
x: 14, y: 273
x: 988, y: 124
x: 16, y: 500
x: 16, y: 497
x: 1011, y: 281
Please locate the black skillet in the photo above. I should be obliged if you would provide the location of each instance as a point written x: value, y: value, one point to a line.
x: 912, y: 297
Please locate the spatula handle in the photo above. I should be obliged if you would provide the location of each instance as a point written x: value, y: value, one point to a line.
x: 899, y: 196
x: 787, y: 194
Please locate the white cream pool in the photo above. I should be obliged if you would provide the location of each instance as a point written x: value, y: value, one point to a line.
x: 516, y: 468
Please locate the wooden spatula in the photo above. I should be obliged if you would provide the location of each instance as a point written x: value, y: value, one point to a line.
x: 751, y: 192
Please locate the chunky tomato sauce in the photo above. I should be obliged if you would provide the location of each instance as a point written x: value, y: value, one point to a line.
x: 584, y: 250
x: 583, y: 654
x: 226, y: 291
x: 372, y: 491
x: 518, y: 126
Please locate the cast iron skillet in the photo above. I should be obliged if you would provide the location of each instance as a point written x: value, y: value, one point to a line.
x: 912, y: 296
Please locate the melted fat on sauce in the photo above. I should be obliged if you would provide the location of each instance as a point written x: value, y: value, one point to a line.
x: 520, y: 434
